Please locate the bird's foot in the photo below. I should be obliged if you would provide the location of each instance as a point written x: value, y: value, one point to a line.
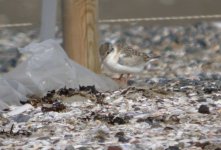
x: 122, y: 80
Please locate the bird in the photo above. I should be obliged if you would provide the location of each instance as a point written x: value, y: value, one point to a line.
x: 124, y: 60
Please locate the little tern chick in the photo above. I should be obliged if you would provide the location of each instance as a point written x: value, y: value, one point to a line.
x: 123, y: 60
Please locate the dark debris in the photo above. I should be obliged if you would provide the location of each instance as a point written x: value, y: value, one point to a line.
x: 54, y: 98
x: 11, y: 133
x: 109, y: 118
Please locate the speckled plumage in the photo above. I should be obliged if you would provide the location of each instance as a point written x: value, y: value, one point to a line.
x: 121, y: 59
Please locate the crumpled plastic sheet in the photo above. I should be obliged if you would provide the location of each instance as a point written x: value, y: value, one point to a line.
x: 47, y: 67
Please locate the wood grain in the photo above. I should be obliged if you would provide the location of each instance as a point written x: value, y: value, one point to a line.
x: 80, y: 32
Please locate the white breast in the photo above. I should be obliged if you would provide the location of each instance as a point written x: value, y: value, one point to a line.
x: 111, y: 62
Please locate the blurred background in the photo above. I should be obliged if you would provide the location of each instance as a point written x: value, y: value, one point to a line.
x: 163, y: 36
x: 30, y: 10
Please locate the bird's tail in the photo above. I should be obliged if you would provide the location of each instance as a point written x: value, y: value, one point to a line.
x: 149, y: 63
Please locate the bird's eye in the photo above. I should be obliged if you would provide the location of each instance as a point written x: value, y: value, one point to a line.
x: 108, y: 52
x: 112, y: 49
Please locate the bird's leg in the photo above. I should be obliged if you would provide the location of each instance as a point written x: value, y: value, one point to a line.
x: 128, y: 75
x: 124, y: 79
x: 121, y: 76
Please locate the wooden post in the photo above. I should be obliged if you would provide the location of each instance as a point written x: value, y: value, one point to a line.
x: 80, y: 32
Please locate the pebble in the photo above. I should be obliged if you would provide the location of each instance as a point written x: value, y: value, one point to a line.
x: 172, y: 148
x: 21, y: 118
x: 69, y: 147
x: 114, y: 148
x: 20, y: 109
x: 204, y: 109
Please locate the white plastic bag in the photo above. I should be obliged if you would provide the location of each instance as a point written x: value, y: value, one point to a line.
x: 47, y: 67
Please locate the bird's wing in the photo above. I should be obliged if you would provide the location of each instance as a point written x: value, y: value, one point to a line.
x: 132, y: 58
